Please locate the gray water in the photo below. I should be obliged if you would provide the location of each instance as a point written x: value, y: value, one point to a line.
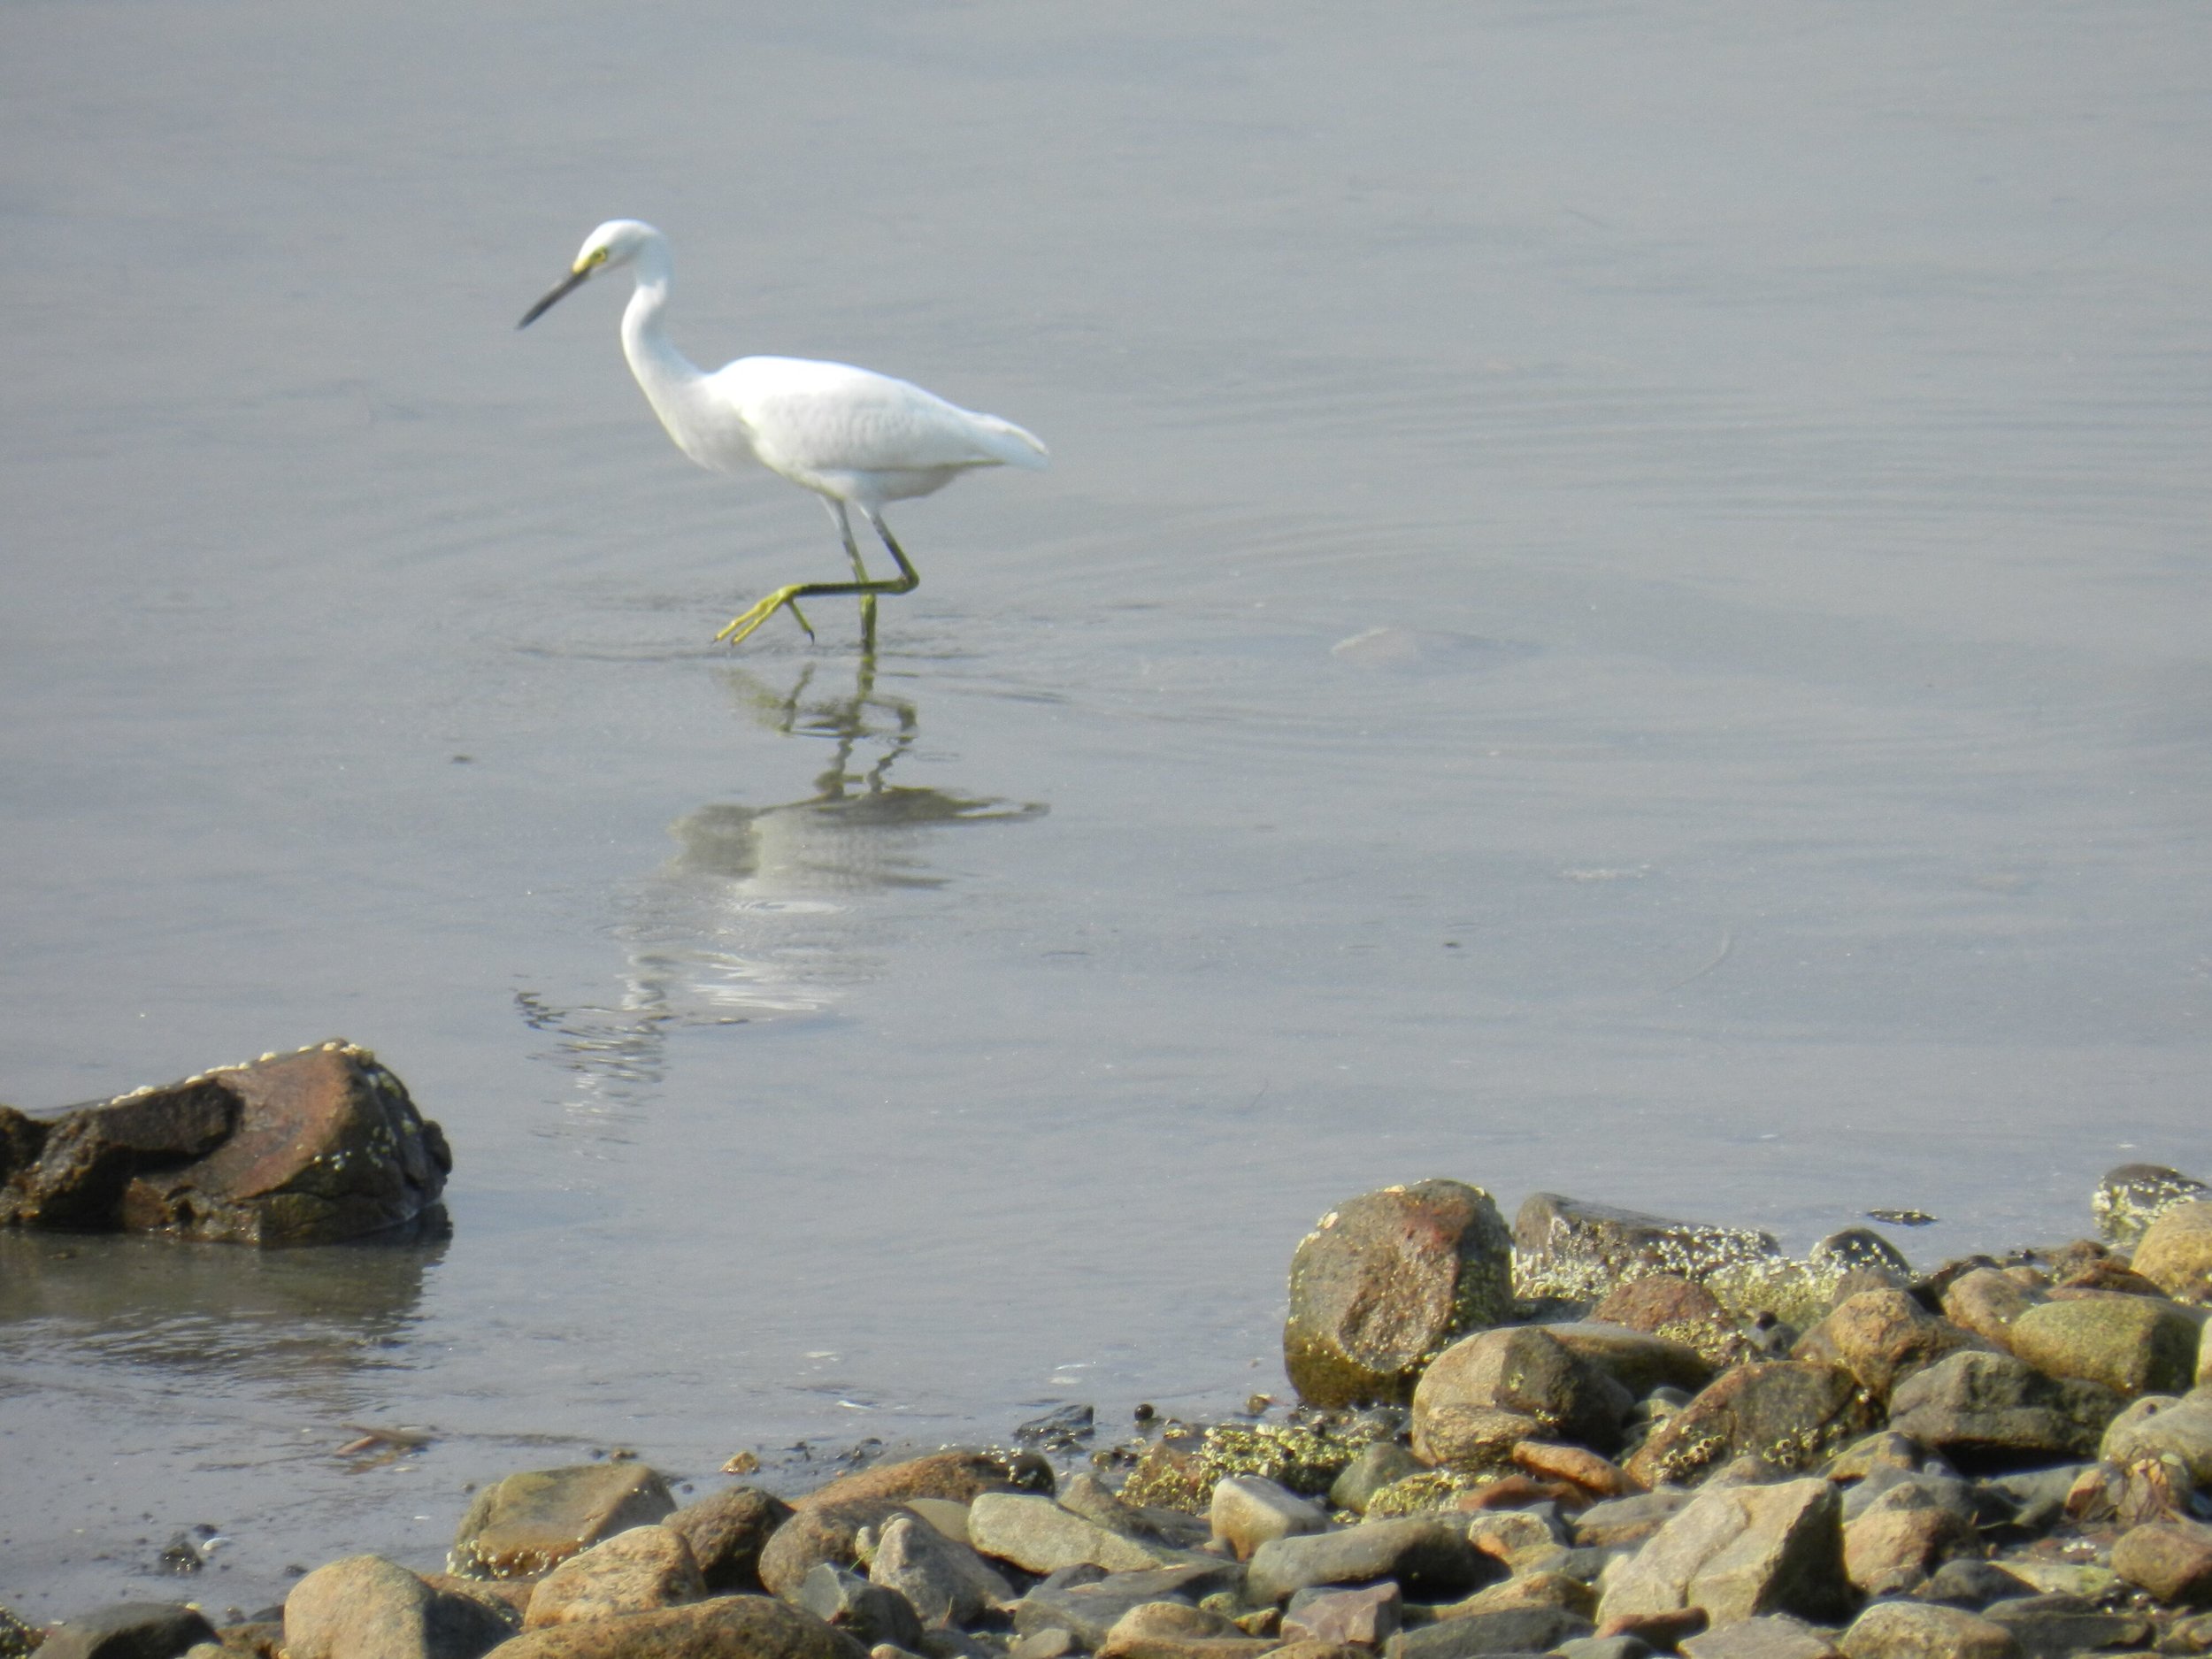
x: 1620, y: 608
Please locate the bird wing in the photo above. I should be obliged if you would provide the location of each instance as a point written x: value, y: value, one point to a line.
x: 831, y: 418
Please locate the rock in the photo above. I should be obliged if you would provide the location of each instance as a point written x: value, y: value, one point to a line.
x: 946, y: 1582
x: 303, y: 1149
x: 1604, y: 1648
x: 1084, y: 1494
x: 1791, y: 1415
x: 1518, y: 1369
x: 2133, y: 1345
x: 2172, y: 1560
x: 634, y: 1572
x: 364, y: 1607
x: 1041, y: 1644
x: 1903, y: 1535
x: 1306, y: 1453
x: 960, y: 1477
x: 1880, y: 1451
x: 726, y: 1533
x: 1175, y: 1630
x: 1882, y: 1337
x: 1515, y: 1536
x: 1924, y: 1630
x: 1249, y: 1510
x: 1375, y: 1468
x: 2160, y: 1425
x: 1661, y: 1631
x: 1037, y: 1535
x: 818, y: 1533
x: 725, y: 1627
x: 2175, y: 1251
x: 1738, y: 1552
x: 1986, y: 1302
x: 1537, y: 1589
x: 2130, y: 1198
x: 1592, y: 1477
x: 1367, y: 1616
x: 869, y: 1613
x: 1640, y: 1361
x: 1990, y: 1411
x: 1931, y: 1489
x: 1626, y: 1522
x: 1429, y: 1559
x: 530, y: 1522
x: 1965, y: 1582
x: 2053, y: 1626
x: 1878, y: 1264
x: 1566, y: 1248
x: 1386, y: 1282
x: 1670, y: 1306
x: 1087, y: 1607
x: 129, y: 1630
x: 1525, y: 1630
x: 1772, y: 1636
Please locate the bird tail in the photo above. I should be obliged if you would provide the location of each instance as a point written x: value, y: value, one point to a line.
x: 1003, y: 441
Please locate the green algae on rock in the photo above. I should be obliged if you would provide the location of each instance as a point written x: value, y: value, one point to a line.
x: 1306, y: 1453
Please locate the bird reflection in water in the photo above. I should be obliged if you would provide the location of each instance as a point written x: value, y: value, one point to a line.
x: 762, y: 911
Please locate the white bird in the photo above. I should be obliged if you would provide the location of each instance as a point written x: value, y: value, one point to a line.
x: 854, y: 437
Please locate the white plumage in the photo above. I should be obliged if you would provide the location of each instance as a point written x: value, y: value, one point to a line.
x: 856, y: 438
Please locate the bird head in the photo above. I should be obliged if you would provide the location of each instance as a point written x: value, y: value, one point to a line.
x: 615, y: 243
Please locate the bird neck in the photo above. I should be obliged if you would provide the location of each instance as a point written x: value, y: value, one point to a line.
x: 666, y: 375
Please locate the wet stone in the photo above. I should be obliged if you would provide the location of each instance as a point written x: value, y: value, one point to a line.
x: 2130, y: 1198
x: 364, y: 1607
x: 1386, y: 1281
x: 726, y: 1533
x: 2170, y: 1560
x: 530, y: 1522
x: 129, y: 1630
x: 958, y: 1476
x: 1972, y: 1583
x: 1376, y: 1467
x: 1568, y: 1247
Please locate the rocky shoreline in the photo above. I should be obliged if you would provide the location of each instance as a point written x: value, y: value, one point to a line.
x: 1593, y: 1433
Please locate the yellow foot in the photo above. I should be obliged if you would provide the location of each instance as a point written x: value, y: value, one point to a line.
x: 740, y: 626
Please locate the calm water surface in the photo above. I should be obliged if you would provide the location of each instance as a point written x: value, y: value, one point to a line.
x: 1620, y: 608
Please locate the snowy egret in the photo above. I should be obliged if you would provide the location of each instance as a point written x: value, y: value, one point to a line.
x: 854, y: 437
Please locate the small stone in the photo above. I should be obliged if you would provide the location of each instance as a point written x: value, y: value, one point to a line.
x: 946, y: 1582
x: 1968, y: 1583
x: 364, y: 1607
x: 1986, y: 1301
x: 1627, y: 1521
x: 644, y: 1568
x: 1428, y: 1558
x: 1249, y: 1510
x: 1086, y: 1602
x: 869, y: 1613
x: 1386, y: 1282
x: 2133, y: 1345
x: 2175, y: 1251
x: 1538, y: 1588
x: 530, y: 1522
x: 1669, y: 1305
x: 818, y: 1533
x: 1665, y: 1630
x: 2053, y: 1626
x: 1515, y: 1536
x: 1050, y: 1643
x: 1366, y: 1616
x: 1518, y: 1369
x: 1903, y: 1536
x: 1738, y: 1552
x: 1772, y: 1636
x: 959, y: 1476
x: 2172, y: 1560
x: 128, y: 1630
x: 2160, y: 1425
x: 1924, y: 1630
x: 1376, y: 1467
x: 1595, y: 1477
x: 727, y: 1532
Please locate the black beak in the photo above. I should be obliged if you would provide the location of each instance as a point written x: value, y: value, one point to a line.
x: 569, y: 284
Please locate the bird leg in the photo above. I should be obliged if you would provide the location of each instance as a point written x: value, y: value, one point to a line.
x: 905, y: 582
x: 860, y: 573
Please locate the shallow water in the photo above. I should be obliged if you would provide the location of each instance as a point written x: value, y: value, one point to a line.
x: 1619, y: 609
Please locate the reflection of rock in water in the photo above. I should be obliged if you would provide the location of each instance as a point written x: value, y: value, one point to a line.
x: 760, y: 914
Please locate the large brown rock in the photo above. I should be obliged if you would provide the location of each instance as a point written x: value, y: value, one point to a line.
x: 727, y: 1627
x: 364, y: 1607
x: 1924, y: 1630
x: 958, y: 1476
x: 2176, y: 1252
x: 635, y: 1571
x: 2171, y: 1559
x: 1384, y: 1283
x: 819, y: 1533
x: 1738, y: 1552
x: 2136, y: 1345
x: 1882, y: 1337
x: 1517, y: 1369
x: 300, y: 1149
x: 1791, y: 1415
x: 726, y: 1533
x: 530, y: 1522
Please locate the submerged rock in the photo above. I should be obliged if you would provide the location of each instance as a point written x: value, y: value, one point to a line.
x: 2130, y: 1198
x: 301, y: 1148
x: 1386, y: 1282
